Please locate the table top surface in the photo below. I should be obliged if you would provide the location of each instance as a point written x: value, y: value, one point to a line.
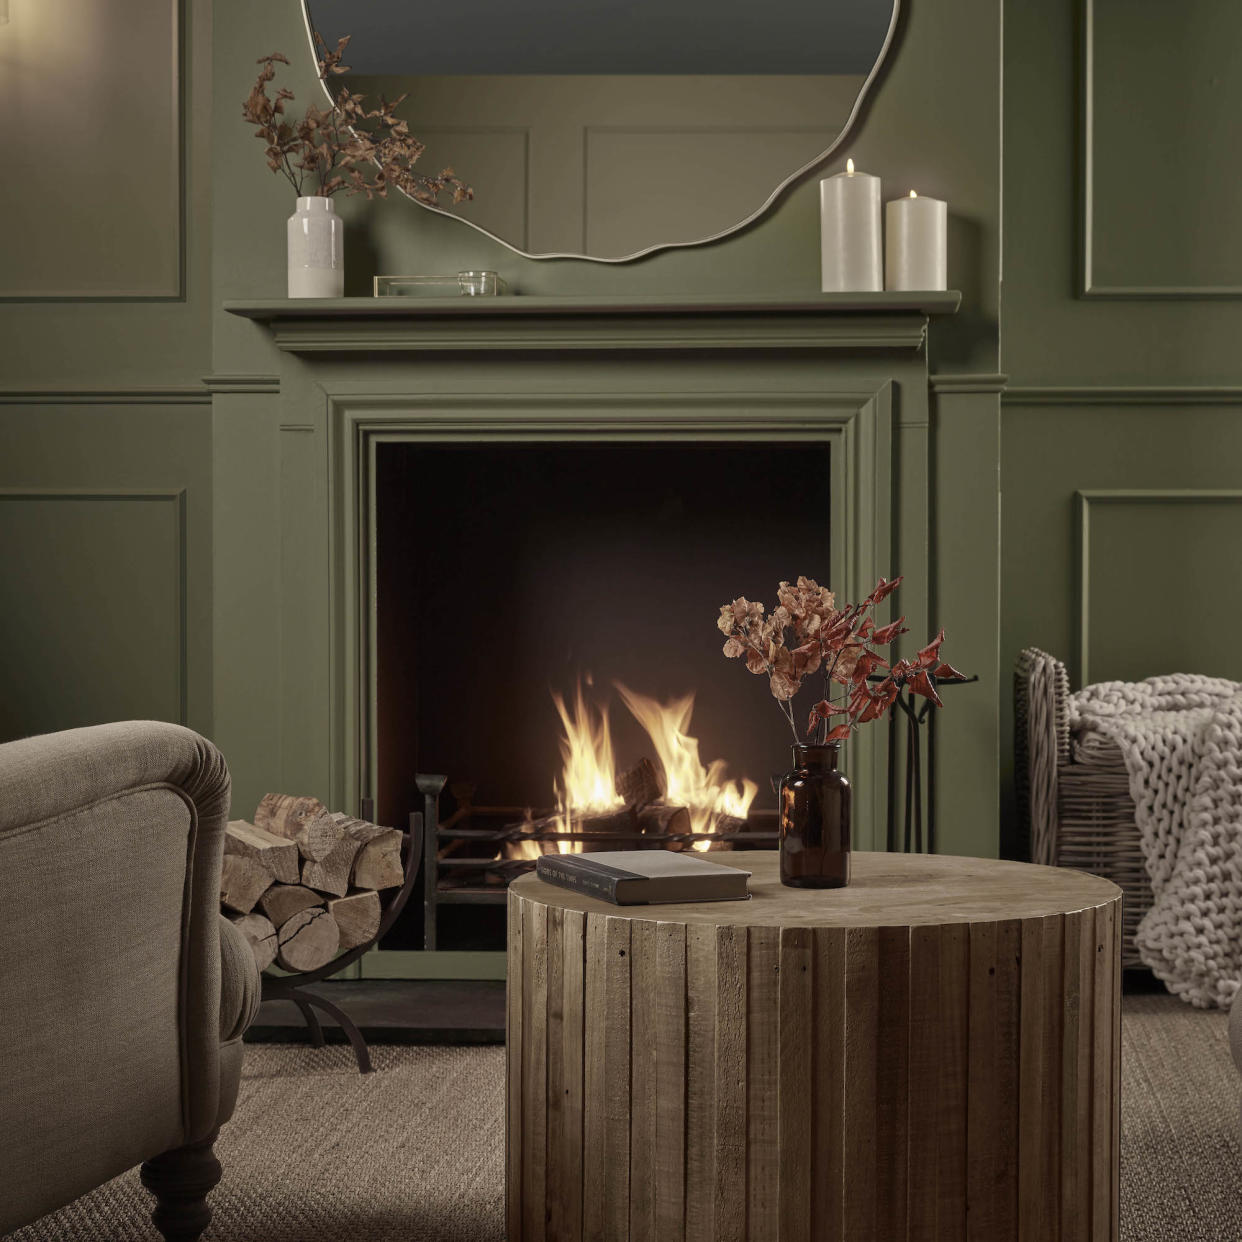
x: 885, y: 890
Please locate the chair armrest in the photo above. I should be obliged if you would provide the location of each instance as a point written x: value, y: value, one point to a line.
x: 239, y: 983
x: 1041, y: 731
x: 58, y: 773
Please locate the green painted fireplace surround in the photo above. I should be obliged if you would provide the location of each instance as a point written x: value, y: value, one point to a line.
x: 849, y: 371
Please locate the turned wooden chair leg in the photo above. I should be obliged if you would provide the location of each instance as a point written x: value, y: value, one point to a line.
x: 180, y: 1181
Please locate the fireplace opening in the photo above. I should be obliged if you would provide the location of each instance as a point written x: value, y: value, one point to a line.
x: 510, y: 572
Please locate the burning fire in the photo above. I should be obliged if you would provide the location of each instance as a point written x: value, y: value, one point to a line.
x: 588, y: 780
x: 702, y: 790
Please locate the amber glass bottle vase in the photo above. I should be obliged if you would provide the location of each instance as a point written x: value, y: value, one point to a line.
x: 815, y: 820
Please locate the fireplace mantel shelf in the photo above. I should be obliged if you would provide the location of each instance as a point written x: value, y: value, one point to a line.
x: 895, y: 320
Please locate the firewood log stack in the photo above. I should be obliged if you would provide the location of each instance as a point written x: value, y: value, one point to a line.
x: 302, y: 884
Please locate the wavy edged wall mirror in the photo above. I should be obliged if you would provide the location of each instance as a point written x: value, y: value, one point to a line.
x: 610, y: 130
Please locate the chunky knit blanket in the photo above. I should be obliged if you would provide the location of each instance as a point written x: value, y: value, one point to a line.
x: 1181, y: 736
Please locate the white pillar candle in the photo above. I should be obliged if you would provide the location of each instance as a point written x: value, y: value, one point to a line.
x: 916, y: 243
x: 849, y: 231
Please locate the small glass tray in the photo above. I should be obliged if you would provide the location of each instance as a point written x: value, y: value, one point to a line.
x: 463, y: 284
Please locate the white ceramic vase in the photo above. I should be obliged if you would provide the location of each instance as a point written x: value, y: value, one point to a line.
x: 316, y: 250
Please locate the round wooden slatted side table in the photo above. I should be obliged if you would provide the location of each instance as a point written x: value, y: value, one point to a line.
x: 930, y: 1054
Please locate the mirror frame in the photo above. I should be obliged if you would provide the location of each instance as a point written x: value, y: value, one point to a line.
x: 869, y: 83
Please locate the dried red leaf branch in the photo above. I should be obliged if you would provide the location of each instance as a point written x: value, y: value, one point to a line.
x: 347, y: 146
x: 807, y: 633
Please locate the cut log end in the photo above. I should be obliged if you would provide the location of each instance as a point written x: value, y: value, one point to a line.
x: 358, y: 917
x: 308, y: 940
x: 282, y: 901
x: 284, y: 814
x: 260, y: 935
x: 242, y: 882
x: 378, y: 864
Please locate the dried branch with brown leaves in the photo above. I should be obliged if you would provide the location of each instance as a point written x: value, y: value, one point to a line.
x: 807, y: 633
x: 346, y: 147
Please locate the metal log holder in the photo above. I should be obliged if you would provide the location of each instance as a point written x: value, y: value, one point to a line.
x: 291, y: 986
x: 919, y: 723
x: 461, y: 862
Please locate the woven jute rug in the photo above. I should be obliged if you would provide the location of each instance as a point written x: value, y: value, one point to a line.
x: 317, y: 1153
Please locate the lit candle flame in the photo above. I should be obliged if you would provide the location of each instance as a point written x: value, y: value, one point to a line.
x: 914, y: 194
x: 849, y: 167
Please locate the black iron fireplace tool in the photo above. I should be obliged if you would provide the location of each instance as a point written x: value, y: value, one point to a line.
x: 290, y: 987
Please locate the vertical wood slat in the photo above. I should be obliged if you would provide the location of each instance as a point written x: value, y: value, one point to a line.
x: 797, y: 1048
x: 1053, y: 1075
x: 670, y: 1072
x: 862, y: 1002
x: 954, y: 1046
x: 554, y: 1175
x: 534, y: 1070
x: 893, y: 1084
x: 515, y: 1085
x: 1032, y: 1110
x: 594, y: 1089
x: 730, y: 1063
x: 762, y: 1051
x: 982, y: 1121
x: 1072, y: 1215
x: 1115, y: 1179
x: 1101, y: 1077
x: 925, y: 1070
x: 828, y: 1111
x: 992, y: 1151
x: 642, y: 1079
x: 700, y: 1082
x: 926, y: 1075
x: 617, y: 1044
x: 572, y: 1049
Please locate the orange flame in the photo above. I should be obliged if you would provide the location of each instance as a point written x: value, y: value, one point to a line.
x: 703, y: 790
x: 588, y: 779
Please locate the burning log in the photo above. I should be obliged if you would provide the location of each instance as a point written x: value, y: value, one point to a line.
x: 640, y: 785
x: 660, y: 821
x: 630, y: 823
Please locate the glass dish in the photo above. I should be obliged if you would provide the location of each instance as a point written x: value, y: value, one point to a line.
x: 463, y: 284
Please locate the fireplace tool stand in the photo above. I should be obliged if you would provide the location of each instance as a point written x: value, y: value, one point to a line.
x: 920, y: 724
x: 290, y: 987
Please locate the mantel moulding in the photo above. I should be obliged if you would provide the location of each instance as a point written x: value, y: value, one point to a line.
x: 837, y: 321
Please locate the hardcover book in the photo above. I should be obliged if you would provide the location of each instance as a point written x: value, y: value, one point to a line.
x: 643, y: 877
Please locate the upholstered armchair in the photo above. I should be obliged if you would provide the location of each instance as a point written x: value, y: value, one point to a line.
x: 123, y: 994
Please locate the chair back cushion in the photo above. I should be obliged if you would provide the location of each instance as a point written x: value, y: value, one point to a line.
x: 110, y: 841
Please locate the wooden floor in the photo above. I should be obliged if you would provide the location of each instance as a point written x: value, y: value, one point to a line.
x: 398, y: 1011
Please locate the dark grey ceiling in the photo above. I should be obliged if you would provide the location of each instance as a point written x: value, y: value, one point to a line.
x: 606, y: 36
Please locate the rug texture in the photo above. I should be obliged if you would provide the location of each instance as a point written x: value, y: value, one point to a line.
x: 414, y: 1153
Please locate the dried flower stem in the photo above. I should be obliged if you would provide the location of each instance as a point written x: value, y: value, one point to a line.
x: 345, y: 147
x: 806, y: 633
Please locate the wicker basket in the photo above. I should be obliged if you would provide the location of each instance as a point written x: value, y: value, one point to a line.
x: 1074, y: 801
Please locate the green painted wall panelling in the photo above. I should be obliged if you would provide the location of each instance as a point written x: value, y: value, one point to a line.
x: 1160, y: 90
x: 113, y: 268
x: 1052, y: 336
x: 1123, y: 420
x: 105, y: 565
